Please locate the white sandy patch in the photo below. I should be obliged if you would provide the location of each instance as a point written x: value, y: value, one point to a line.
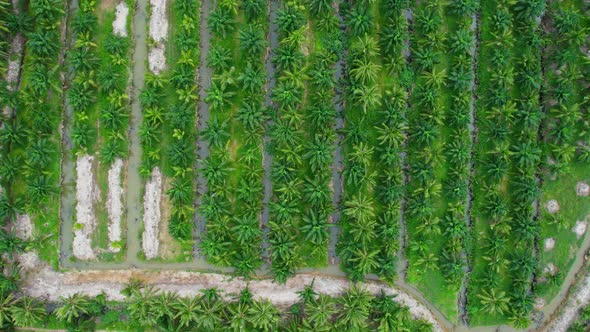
x: 552, y: 206
x: 28, y: 260
x: 580, y: 228
x: 87, y: 193
x: 158, y: 20
x: 582, y: 189
x: 16, y: 50
x: 23, y: 227
x: 550, y: 269
x: 158, y: 32
x: 152, y: 214
x: 115, y: 203
x: 120, y: 22
x: 157, y: 59
x: 549, y: 244
x: 51, y: 285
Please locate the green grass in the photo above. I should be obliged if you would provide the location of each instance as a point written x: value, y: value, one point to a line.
x: 572, y: 208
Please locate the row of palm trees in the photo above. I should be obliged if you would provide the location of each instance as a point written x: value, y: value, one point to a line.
x: 319, y: 120
x: 458, y: 147
x: 113, y: 100
x: 31, y: 155
x: 287, y: 143
x: 84, y: 64
x: 179, y: 126
x: 509, y: 115
x: 526, y: 148
x: 426, y: 143
x: 234, y: 172
x: 567, y: 123
x: 494, y: 112
x: 357, y: 243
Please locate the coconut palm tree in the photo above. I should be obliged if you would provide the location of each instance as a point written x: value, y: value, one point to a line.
x: 252, y: 41
x: 356, y: 304
x: 6, y: 304
x: 253, y: 9
x: 263, y: 315
x: 187, y: 312
x: 141, y: 306
x: 27, y: 312
x: 72, y: 308
x: 221, y: 22
x: 493, y: 302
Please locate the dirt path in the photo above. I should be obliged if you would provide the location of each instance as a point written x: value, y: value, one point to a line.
x: 402, y: 263
x: 338, y: 163
x: 273, y: 42
x: 133, y: 178
x: 48, y: 284
x: 462, y: 301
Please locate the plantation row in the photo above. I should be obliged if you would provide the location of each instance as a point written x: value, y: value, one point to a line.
x: 30, y: 138
x: 234, y: 172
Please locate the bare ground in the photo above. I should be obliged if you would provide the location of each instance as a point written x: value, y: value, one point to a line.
x: 115, y: 203
x: 87, y: 193
x: 152, y: 214
x: 120, y: 22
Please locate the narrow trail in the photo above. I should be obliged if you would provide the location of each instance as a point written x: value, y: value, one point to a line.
x: 67, y: 181
x: 133, y: 199
x: 462, y: 300
x: 273, y: 42
x: 402, y: 264
x: 338, y: 164
x: 204, y: 81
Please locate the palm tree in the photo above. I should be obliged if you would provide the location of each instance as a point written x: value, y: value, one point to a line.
x: 320, y: 310
x: 493, y: 302
x: 253, y: 77
x: 263, y: 315
x: 27, y: 312
x: 252, y: 41
x: 365, y: 70
x: 221, y: 22
x: 72, y: 308
x: 315, y: 227
x: 360, y: 207
x: 217, y: 132
x: 238, y: 316
x: 368, y: 97
x: 319, y: 153
x: 187, y: 312
x: 219, y: 58
x: 6, y: 304
x: 141, y: 306
x: 253, y: 9
x: 356, y: 304
x: 164, y: 308
x: 217, y: 97
x: 364, y: 262
x: 360, y: 20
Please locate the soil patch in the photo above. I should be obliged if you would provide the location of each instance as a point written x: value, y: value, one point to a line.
x: 552, y: 206
x: 152, y: 214
x: 120, y: 22
x: 87, y: 193
x: 115, y: 203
